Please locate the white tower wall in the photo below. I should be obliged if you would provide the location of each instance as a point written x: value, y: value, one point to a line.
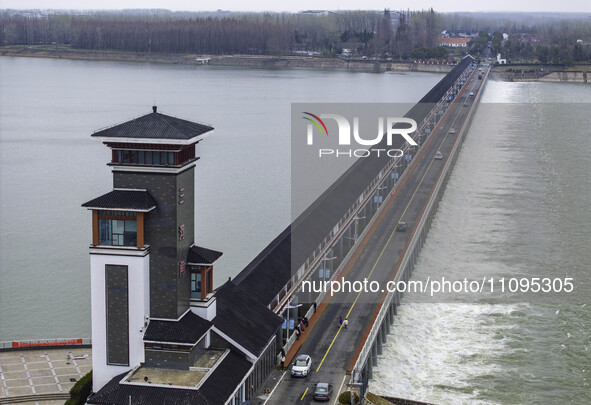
x: 138, y: 276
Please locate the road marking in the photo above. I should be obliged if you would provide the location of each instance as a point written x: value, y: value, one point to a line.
x: 302, y: 398
x: 394, y: 231
x: 376, y: 263
x: 339, y: 390
x: 275, y: 387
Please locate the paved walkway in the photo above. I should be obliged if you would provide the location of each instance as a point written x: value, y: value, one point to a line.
x: 41, y: 376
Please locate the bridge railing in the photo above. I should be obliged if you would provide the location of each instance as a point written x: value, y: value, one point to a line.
x: 14, y: 344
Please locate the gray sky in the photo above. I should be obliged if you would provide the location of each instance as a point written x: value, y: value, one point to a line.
x: 268, y: 5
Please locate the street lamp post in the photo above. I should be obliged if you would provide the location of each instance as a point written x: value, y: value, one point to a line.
x: 324, y: 267
x: 287, y: 308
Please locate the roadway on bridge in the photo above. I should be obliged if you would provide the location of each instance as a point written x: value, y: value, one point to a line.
x: 332, y: 348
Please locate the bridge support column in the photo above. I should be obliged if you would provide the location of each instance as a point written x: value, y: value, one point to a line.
x: 392, y: 311
x: 374, y: 354
x: 380, y: 344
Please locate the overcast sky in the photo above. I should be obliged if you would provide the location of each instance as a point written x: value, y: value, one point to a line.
x: 268, y: 5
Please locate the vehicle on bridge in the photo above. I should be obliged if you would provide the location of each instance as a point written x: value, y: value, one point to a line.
x: 439, y: 155
x: 471, y: 93
x: 322, y: 392
x: 452, y: 130
x: 401, y: 227
x: 302, y: 366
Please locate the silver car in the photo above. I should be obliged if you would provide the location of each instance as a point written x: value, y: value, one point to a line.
x: 302, y: 366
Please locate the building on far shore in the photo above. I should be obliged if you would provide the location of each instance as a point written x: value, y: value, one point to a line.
x: 160, y: 332
x: 453, y: 42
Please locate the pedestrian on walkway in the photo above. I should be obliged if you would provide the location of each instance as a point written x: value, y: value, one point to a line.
x: 283, y: 362
x: 302, y: 325
x: 306, y: 321
x: 314, y: 307
x: 345, y: 323
x: 298, y: 334
x: 340, y: 321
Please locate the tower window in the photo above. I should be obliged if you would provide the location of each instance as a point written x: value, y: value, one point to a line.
x: 141, y: 157
x: 169, y: 155
x: 196, y: 284
x: 117, y: 228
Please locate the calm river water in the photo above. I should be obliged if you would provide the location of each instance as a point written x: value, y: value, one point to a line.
x: 49, y: 165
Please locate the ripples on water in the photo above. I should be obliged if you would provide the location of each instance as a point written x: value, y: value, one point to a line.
x: 516, y: 205
x: 49, y: 165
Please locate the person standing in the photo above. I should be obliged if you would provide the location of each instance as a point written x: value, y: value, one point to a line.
x: 282, y: 362
x: 340, y: 321
x: 345, y: 323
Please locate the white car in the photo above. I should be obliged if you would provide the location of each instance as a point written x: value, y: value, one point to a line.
x: 438, y: 156
x: 471, y: 93
x: 302, y: 366
x: 452, y: 131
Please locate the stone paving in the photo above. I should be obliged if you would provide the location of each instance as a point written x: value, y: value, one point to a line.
x: 43, y: 371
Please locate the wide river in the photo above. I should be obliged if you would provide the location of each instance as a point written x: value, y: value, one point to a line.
x: 49, y: 165
x: 517, y: 201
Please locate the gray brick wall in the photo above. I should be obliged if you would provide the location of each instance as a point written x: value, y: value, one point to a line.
x: 169, y: 291
x: 174, y: 360
x: 116, y: 284
x: 164, y: 359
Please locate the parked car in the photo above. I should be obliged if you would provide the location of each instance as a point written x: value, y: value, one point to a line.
x: 438, y: 155
x: 401, y: 227
x: 302, y: 366
x: 322, y: 392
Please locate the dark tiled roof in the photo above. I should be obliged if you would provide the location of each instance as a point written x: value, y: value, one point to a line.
x: 215, y: 390
x: 201, y: 255
x: 114, y: 393
x: 123, y: 199
x: 269, y: 271
x: 319, y: 219
x: 225, y: 378
x: 244, y: 319
x: 189, y: 329
x: 155, y: 126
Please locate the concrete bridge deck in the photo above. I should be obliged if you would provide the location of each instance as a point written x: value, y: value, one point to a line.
x: 333, y: 349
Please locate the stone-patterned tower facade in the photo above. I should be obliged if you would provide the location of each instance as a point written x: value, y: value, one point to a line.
x: 143, y: 238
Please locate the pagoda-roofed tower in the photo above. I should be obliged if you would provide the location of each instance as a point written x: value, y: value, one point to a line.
x: 144, y: 264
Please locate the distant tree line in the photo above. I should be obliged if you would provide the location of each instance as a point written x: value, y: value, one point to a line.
x: 161, y: 35
x: 367, y: 32
x: 401, y: 35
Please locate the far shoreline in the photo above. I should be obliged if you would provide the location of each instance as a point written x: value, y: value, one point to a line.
x: 268, y: 61
x: 508, y: 73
